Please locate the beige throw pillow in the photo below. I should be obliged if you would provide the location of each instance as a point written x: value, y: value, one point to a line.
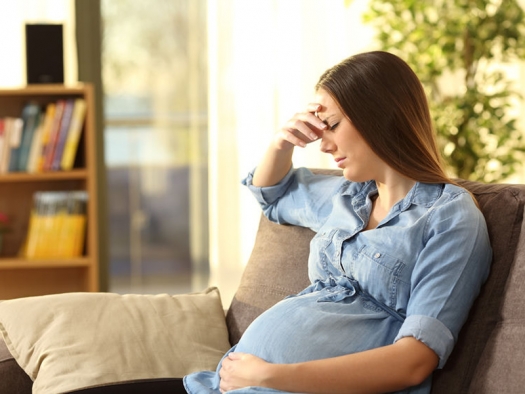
x: 71, y: 341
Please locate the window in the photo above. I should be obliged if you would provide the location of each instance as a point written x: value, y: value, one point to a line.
x: 154, y: 72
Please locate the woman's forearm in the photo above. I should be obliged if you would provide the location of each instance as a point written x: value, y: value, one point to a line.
x: 273, y: 167
x: 406, y: 363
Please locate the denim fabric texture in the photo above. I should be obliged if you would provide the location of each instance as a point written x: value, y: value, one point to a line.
x: 417, y: 274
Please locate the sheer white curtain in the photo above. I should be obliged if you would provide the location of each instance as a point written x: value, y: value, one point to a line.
x: 265, y: 57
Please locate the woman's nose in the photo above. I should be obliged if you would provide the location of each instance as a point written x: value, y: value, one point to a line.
x: 327, y: 145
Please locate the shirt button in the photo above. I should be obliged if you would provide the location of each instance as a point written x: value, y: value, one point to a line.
x: 377, y: 255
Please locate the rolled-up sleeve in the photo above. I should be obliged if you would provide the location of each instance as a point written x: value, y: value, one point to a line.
x: 270, y: 194
x: 431, y: 332
x: 301, y: 198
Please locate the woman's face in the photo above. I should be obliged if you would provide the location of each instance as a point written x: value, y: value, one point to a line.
x: 342, y: 140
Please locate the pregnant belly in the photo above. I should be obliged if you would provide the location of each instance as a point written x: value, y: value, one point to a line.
x: 302, y: 328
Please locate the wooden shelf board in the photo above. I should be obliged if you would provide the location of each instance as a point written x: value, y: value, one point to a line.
x: 20, y: 263
x: 43, y: 176
x: 43, y: 89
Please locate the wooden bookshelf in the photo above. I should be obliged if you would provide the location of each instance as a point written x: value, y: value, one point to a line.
x: 21, y: 277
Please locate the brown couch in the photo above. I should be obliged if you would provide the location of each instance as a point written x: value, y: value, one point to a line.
x: 489, y: 356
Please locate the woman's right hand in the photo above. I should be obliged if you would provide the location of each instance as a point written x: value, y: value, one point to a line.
x: 301, y: 129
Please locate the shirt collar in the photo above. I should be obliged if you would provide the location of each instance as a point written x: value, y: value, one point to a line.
x: 424, y: 194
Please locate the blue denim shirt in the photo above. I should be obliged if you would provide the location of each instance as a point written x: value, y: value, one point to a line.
x: 416, y: 274
x: 426, y: 261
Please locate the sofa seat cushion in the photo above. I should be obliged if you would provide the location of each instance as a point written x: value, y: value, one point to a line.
x: 5, y: 355
x: 13, y: 379
x: 157, y: 386
x: 74, y: 341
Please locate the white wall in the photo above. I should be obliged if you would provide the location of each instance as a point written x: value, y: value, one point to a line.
x: 265, y: 57
x: 13, y: 17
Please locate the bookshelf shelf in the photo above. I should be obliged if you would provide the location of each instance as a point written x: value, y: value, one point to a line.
x: 44, y: 177
x: 21, y: 277
x: 21, y: 264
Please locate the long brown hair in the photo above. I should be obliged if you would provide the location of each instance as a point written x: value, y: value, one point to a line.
x: 385, y: 101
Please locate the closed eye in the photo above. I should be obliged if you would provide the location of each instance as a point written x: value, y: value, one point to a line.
x: 334, y: 126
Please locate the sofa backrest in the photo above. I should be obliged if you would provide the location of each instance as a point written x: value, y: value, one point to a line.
x: 502, y: 205
x: 278, y: 267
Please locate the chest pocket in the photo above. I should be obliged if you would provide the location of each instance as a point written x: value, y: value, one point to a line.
x: 379, y: 274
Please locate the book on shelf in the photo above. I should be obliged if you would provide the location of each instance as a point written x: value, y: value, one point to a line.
x: 42, y: 138
x: 36, y: 145
x: 49, y: 119
x: 62, y: 135
x: 73, y: 136
x: 30, y: 121
x: 57, y: 225
x: 12, y: 139
x: 21, y: 138
x: 2, y: 137
x: 49, y: 150
x: 5, y: 145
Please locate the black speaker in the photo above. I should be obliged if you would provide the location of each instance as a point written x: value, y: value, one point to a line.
x: 44, y: 53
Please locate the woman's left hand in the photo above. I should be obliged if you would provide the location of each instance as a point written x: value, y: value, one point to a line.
x: 240, y: 370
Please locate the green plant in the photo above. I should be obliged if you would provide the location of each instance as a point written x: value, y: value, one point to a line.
x: 459, y: 49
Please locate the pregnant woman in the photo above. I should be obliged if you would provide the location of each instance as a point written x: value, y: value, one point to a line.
x: 399, y: 255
